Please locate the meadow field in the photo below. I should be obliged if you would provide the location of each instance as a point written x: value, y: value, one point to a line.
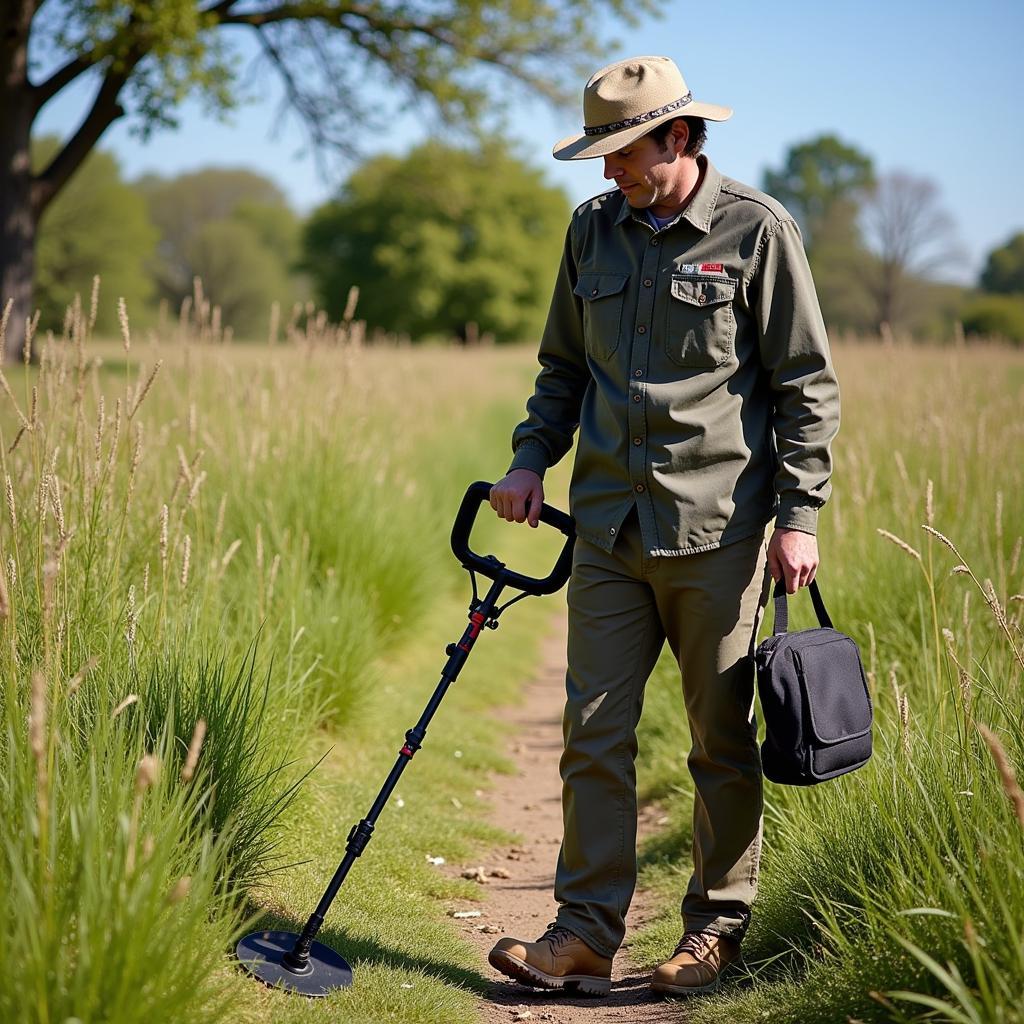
x: 226, y: 593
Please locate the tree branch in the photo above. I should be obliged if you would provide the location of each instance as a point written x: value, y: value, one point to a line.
x: 361, y: 23
x: 286, y: 12
x: 293, y: 91
x: 104, y: 111
x: 45, y: 91
x: 220, y: 7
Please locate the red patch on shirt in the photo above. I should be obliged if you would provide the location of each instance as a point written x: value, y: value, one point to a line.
x: 712, y: 268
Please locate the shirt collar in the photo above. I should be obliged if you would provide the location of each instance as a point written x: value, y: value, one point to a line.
x: 701, y: 207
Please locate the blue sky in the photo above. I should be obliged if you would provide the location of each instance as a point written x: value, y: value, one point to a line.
x: 930, y: 88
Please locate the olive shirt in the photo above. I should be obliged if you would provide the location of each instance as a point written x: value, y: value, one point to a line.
x: 695, y: 363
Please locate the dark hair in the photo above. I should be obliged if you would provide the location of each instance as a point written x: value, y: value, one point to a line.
x: 695, y: 140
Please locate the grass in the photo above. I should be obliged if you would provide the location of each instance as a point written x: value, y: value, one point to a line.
x: 214, y: 557
x: 248, y: 548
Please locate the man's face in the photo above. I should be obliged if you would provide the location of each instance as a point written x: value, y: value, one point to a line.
x: 646, y: 174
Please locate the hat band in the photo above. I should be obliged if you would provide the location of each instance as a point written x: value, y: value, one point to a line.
x: 631, y: 122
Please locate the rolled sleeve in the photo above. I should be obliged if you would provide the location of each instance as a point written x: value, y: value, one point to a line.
x: 795, y: 352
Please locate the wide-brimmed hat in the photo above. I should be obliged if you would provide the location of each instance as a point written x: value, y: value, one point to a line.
x: 626, y: 100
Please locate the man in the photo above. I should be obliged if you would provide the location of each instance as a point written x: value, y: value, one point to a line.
x: 685, y: 342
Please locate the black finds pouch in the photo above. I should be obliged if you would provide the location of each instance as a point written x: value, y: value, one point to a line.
x: 814, y: 699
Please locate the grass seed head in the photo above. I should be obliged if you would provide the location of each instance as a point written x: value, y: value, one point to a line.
x: 12, y: 511
x: 905, y: 723
x: 179, y: 890
x: 901, y: 544
x: 79, y: 677
x: 164, y: 515
x: 993, y: 602
x: 966, y: 687
x: 122, y: 319
x: 230, y: 553
x: 37, y: 716
x: 945, y: 540
x: 275, y: 565
x: 94, y: 301
x: 58, y: 506
x: 101, y: 423
x: 144, y: 390
x: 147, y: 773
x: 17, y: 439
x: 1006, y: 773
x: 131, y: 618
x: 185, y: 557
x: 193, y: 491
x: 188, y: 769
x: 38, y: 741
x: 131, y: 699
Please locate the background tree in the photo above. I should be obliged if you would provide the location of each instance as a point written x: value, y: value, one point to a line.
x: 199, y: 214
x: 239, y: 274
x: 823, y: 183
x: 995, y: 315
x: 143, y: 58
x: 911, y: 237
x: 1004, y: 268
x: 97, y: 225
x: 439, y: 239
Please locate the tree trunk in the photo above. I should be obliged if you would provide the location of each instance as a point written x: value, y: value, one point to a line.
x: 17, y: 216
x: 17, y: 255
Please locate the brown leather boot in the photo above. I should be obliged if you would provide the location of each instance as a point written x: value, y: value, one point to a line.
x: 558, y: 959
x: 697, y: 964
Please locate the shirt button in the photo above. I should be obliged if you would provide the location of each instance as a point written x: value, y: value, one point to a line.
x: 638, y: 373
x: 639, y: 488
x: 648, y: 282
x: 638, y: 440
x: 636, y: 398
x: 702, y: 299
x: 611, y: 530
x: 654, y: 241
x: 641, y: 329
x: 593, y: 292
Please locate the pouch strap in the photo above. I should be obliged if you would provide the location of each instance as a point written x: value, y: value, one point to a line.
x: 782, y: 609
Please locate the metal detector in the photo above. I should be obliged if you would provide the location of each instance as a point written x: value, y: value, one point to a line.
x: 296, y: 962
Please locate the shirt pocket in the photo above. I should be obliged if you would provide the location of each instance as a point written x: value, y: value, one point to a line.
x: 700, y: 327
x: 602, y: 295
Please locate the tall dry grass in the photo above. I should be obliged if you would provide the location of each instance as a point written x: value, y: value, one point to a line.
x: 199, y: 540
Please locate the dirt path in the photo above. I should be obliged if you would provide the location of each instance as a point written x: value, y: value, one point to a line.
x: 528, y: 803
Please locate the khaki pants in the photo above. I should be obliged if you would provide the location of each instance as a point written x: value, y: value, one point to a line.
x: 622, y: 607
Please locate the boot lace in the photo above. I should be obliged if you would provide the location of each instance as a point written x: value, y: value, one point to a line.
x: 557, y: 935
x: 697, y: 944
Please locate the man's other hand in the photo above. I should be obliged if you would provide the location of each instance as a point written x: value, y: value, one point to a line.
x: 793, y: 554
x: 518, y: 496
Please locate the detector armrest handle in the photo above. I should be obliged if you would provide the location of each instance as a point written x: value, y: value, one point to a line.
x: 490, y: 566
